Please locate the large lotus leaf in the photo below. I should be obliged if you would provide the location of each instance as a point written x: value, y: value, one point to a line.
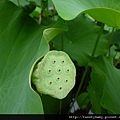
x: 106, y: 11
x: 110, y: 98
x: 52, y: 105
x: 80, y: 39
x: 95, y: 90
x: 38, y: 2
x: 83, y: 100
x: 115, y: 39
x: 26, y: 2
x: 20, y: 2
x: 35, y: 2
x: 20, y: 46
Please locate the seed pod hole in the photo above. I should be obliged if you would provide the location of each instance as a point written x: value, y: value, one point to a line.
x: 57, y: 79
x: 60, y: 88
x: 63, y: 61
x: 66, y: 81
x: 54, y: 61
x: 49, y: 71
x: 67, y: 70
x: 50, y: 83
x: 59, y: 70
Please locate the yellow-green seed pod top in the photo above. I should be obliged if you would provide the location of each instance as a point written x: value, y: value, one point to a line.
x: 54, y: 74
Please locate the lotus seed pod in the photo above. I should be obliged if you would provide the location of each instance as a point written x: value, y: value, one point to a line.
x: 54, y: 74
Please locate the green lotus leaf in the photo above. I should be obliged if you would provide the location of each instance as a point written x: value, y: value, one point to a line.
x: 106, y: 11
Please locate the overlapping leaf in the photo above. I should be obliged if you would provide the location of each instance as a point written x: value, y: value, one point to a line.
x: 57, y: 28
x: 106, y: 11
x: 80, y: 39
x: 104, y: 86
x: 20, y: 46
